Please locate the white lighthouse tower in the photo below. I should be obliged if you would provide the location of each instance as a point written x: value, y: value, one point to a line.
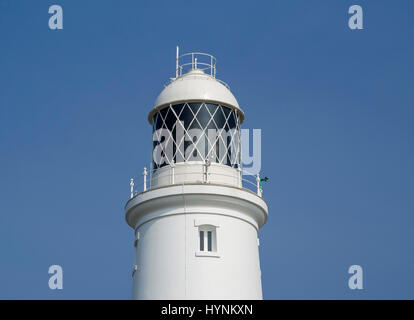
x: 196, y: 226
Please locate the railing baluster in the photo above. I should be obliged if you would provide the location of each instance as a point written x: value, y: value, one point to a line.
x: 145, y: 178
x: 131, y: 183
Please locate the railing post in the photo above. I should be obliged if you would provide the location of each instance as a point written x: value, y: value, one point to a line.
x: 258, y: 185
x: 192, y: 61
x: 131, y: 183
x: 239, y: 169
x: 145, y: 178
x: 172, y: 173
x: 207, y: 164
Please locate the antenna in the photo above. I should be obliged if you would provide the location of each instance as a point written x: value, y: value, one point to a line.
x: 176, y: 62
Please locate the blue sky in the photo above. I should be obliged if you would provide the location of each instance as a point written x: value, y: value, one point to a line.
x: 335, y: 107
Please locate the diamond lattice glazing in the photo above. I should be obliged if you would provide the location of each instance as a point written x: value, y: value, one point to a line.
x: 196, y: 132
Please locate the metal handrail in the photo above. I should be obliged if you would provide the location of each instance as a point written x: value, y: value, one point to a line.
x: 223, y: 83
x: 194, y: 65
x: 206, y: 178
x: 194, y: 62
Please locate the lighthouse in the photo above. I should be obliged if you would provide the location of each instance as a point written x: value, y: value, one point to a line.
x: 195, y: 220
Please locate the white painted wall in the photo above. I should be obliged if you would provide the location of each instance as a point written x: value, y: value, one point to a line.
x: 195, y: 172
x: 167, y: 265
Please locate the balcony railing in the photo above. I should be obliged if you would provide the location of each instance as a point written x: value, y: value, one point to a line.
x: 250, y: 182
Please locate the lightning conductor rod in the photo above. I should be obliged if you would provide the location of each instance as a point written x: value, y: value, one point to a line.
x: 176, y: 62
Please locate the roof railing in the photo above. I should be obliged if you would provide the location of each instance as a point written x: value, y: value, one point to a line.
x: 195, y: 60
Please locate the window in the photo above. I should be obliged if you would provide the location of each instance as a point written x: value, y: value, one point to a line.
x: 196, y: 131
x: 201, y: 240
x: 207, y: 238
